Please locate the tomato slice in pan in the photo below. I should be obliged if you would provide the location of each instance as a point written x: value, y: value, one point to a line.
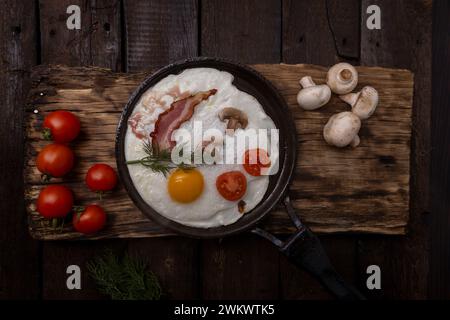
x: 232, y: 185
x: 255, y: 160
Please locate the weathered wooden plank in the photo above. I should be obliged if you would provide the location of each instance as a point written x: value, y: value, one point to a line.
x: 440, y: 184
x: 243, y: 267
x: 93, y: 44
x: 159, y: 32
x: 57, y: 256
x: 344, y: 23
x: 245, y: 31
x: 98, y: 42
x: 304, y: 22
x: 175, y: 261
x: 240, y: 267
x: 404, y: 41
x: 325, y: 33
x: 19, y: 254
x: 370, y: 183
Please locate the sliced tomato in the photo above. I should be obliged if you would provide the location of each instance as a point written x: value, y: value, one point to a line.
x: 255, y: 160
x: 232, y: 185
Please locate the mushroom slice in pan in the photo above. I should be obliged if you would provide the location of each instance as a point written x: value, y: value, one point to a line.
x: 236, y: 118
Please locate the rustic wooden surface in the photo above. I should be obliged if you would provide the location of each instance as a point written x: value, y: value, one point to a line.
x: 318, y: 32
x: 370, y: 184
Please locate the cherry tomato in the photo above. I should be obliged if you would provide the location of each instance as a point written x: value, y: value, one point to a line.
x: 101, y: 177
x: 231, y: 185
x: 255, y: 160
x: 54, y: 201
x: 90, y: 220
x: 61, y: 126
x: 55, y: 160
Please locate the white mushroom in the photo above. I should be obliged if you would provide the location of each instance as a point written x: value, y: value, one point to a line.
x: 363, y: 103
x: 342, y: 130
x: 342, y: 78
x: 312, y: 96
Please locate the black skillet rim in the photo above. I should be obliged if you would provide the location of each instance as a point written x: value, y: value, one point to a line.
x: 279, y: 182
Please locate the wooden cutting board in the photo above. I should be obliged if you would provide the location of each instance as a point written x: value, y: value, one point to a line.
x: 364, y: 190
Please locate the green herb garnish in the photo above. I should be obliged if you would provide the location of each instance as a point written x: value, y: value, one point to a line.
x: 158, y: 161
x: 124, y: 278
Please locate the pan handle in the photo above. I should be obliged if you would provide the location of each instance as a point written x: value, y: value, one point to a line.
x: 304, y: 250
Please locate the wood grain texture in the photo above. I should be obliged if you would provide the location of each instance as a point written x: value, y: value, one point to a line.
x: 404, y: 41
x: 159, y: 32
x: 327, y: 32
x: 304, y: 22
x: 370, y: 184
x: 440, y: 182
x: 98, y: 42
x: 93, y: 44
x: 19, y: 254
x: 245, y: 31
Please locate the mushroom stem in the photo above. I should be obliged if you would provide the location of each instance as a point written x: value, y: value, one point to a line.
x: 363, y: 103
x: 307, y: 82
x: 342, y: 78
x: 355, y: 142
x: 350, y: 98
x: 345, y: 75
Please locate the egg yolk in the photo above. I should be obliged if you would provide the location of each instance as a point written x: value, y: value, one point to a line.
x: 185, y: 185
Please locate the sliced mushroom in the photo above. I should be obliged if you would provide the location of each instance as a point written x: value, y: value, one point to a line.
x: 342, y: 130
x: 236, y: 118
x: 342, y: 78
x: 363, y: 103
x: 312, y: 96
x: 241, y: 206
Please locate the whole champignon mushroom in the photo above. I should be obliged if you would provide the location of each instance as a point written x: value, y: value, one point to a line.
x: 342, y: 78
x: 236, y: 118
x: 342, y: 130
x: 363, y: 103
x: 312, y: 96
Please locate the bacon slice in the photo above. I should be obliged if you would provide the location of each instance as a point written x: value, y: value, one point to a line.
x: 134, y: 122
x: 171, y: 119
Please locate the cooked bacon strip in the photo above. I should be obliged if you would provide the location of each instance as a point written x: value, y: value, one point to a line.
x: 133, y: 122
x: 171, y: 119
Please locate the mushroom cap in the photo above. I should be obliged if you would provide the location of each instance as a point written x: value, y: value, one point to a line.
x: 363, y: 103
x: 311, y: 98
x: 342, y: 78
x: 342, y: 129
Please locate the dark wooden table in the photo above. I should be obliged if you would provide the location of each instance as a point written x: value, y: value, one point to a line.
x: 141, y: 35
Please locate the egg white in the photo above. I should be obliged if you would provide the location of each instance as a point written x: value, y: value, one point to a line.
x: 210, y: 209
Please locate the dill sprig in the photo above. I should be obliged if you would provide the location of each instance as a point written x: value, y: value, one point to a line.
x: 158, y: 161
x: 124, y: 278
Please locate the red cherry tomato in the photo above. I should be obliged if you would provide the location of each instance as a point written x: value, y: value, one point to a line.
x: 255, y: 160
x: 54, y: 201
x: 55, y: 160
x: 90, y: 220
x: 231, y: 185
x: 101, y: 177
x: 61, y: 126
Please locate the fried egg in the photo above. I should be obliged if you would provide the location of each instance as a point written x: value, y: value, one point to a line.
x: 190, y: 197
